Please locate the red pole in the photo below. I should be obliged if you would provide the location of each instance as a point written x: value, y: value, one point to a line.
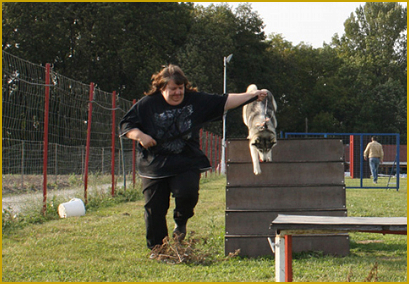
x: 133, y: 157
x: 91, y: 98
x: 200, y: 142
x: 288, y: 258
x: 215, y: 153
x: 206, y: 147
x: 220, y: 155
x: 351, y: 156
x: 113, y: 145
x: 211, y: 154
x: 45, y: 153
x: 207, y: 142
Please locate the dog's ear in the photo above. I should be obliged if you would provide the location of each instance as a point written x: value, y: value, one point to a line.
x: 251, y: 88
x: 273, y: 101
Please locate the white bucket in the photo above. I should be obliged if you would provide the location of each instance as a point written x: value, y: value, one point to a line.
x: 72, y: 208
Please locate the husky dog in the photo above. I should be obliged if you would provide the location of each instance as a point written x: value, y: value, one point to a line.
x: 260, y: 119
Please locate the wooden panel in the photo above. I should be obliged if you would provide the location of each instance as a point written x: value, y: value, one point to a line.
x: 258, y: 222
x: 307, y: 197
x: 288, y: 150
x: 259, y: 246
x: 308, y: 173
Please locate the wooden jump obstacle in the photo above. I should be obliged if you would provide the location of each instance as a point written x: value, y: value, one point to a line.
x: 306, y: 177
x: 285, y: 226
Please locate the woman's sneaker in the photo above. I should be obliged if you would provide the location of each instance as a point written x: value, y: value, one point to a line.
x: 179, y: 233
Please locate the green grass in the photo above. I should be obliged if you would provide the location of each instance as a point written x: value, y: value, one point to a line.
x: 377, y: 202
x: 382, y: 182
x: 108, y: 244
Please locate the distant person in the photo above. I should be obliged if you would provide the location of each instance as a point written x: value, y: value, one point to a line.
x: 374, y: 152
x: 166, y: 123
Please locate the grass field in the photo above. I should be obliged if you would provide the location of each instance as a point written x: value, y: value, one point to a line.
x: 108, y: 244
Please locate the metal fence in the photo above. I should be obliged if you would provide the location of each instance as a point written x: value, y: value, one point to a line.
x: 53, y: 125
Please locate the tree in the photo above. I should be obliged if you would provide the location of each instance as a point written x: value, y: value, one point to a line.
x: 373, y: 49
x: 250, y: 64
x: 216, y: 32
x: 347, y: 86
x: 209, y: 39
x: 116, y: 45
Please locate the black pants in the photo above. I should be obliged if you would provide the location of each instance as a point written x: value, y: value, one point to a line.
x: 184, y: 188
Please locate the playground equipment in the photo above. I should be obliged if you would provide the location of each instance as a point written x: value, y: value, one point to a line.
x: 395, y: 158
x: 306, y: 177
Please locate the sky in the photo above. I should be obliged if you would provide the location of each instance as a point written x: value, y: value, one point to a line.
x: 310, y: 22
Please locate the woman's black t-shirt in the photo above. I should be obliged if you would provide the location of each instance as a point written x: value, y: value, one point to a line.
x: 174, y: 154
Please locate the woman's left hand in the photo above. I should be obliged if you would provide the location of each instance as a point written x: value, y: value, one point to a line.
x: 262, y: 94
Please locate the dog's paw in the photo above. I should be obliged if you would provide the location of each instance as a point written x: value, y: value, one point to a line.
x: 257, y: 171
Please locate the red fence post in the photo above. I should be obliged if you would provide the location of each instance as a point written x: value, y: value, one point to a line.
x: 207, y: 148
x: 288, y: 258
x: 216, y: 162
x: 113, y: 144
x: 220, y: 155
x: 351, y: 156
x: 211, y: 154
x: 91, y: 98
x: 133, y: 157
x: 45, y: 153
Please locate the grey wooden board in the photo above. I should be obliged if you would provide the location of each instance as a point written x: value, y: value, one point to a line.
x: 258, y: 222
x: 282, y: 197
x: 302, y: 222
x: 288, y: 150
x: 258, y: 246
x: 288, y: 174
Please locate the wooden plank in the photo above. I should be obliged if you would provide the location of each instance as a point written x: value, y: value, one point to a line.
x: 290, y: 150
x: 311, y: 223
x: 285, y: 197
x: 286, y: 174
x: 303, y: 219
x: 258, y: 222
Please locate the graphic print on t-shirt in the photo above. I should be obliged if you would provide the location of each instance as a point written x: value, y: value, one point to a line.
x: 170, y: 124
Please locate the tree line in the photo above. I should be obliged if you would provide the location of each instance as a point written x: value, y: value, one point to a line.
x: 356, y: 83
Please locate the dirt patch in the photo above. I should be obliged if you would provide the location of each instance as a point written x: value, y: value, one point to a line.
x: 175, y: 251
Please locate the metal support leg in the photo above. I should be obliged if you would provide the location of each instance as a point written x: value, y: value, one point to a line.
x: 280, y: 258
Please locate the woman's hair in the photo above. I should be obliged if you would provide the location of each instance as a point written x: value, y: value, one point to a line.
x: 170, y: 72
